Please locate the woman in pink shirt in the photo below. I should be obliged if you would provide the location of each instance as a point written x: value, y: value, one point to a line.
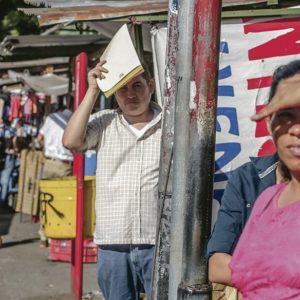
x: 266, y: 261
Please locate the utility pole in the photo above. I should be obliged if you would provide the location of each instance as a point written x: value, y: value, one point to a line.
x: 180, y: 270
x: 181, y: 142
x: 202, y: 128
x: 160, y: 278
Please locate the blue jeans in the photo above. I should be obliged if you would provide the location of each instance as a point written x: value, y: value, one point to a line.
x: 121, y: 269
x: 4, y: 178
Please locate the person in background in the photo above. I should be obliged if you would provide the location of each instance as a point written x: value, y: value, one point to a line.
x: 244, y: 185
x: 58, y: 160
x: 127, y: 141
x: 10, y: 148
x: 8, y: 163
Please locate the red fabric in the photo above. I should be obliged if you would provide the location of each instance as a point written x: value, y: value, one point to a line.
x: 266, y: 262
x: 15, y: 104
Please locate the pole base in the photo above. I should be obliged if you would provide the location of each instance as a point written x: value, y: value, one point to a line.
x: 193, y: 292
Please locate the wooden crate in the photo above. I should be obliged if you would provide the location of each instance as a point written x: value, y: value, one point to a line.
x: 28, y: 185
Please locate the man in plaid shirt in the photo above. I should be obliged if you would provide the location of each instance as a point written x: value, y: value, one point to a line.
x: 127, y: 141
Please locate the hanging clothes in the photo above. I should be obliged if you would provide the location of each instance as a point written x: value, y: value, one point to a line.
x: 27, y: 107
x: 15, y: 105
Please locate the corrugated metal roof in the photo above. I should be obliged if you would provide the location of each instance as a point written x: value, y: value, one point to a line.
x: 61, y: 11
x: 73, y: 3
x: 93, y: 11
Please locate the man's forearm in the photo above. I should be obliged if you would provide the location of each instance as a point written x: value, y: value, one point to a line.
x: 218, y: 269
x: 74, y: 135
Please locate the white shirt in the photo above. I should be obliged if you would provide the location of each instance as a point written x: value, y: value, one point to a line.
x: 126, y: 179
x: 139, y: 132
x: 53, y: 146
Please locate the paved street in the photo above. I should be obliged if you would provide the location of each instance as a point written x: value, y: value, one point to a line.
x: 27, y: 274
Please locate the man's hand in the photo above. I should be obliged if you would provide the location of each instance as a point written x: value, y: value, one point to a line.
x: 74, y: 137
x: 287, y: 95
x: 96, y: 72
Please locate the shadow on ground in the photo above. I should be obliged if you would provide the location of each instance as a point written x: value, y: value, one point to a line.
x: 6, y: 217
x: 22, y: 242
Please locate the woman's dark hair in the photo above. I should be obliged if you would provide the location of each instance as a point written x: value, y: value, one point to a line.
x: 283, y: 72
x: 285, y: 172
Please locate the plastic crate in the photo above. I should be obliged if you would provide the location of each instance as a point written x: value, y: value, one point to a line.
x: 58, y: 207
x: 60, y: 250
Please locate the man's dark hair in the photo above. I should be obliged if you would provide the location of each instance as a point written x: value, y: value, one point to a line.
x: 147, y: 74
x: 283, y: 72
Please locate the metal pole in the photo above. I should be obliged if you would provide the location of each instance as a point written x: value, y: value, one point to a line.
x: 78, y: 171
x: 138, y: 36
x: 199, y: 190
x: 160, y: 278
x: 181, y: 140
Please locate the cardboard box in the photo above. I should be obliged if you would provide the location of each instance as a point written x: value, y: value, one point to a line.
x: 28, y: 185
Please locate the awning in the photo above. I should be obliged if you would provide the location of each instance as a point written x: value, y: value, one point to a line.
x: 49, y: 84
x: 34, y: 63
x: 16, y: 48
x: 7, y: 81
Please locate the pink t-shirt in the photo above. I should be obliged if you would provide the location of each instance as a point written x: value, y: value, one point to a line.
x: 266, y: 261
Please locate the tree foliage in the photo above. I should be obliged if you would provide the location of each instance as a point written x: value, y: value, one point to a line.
x: 14, y: 22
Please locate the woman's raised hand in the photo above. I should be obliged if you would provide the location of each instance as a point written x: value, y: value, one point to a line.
x: 287, y: 95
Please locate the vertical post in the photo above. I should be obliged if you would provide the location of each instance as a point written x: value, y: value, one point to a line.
x: 160, y: 278
x: 199, y: 188
x: 181, y: 141
x: 138, y: 36
x: 78, y: 171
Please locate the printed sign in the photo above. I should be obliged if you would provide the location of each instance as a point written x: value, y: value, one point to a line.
x: 250, y: 51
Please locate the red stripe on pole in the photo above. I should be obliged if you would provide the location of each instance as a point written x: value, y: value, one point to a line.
x: 205, y: 62
x: 78, y: 171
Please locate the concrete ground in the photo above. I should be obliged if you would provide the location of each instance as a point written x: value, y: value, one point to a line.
x: 27, y: 274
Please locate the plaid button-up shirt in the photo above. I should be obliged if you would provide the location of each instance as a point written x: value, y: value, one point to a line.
x: 126, y: 179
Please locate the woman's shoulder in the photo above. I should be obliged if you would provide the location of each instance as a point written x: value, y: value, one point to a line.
x: 266, y: 196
